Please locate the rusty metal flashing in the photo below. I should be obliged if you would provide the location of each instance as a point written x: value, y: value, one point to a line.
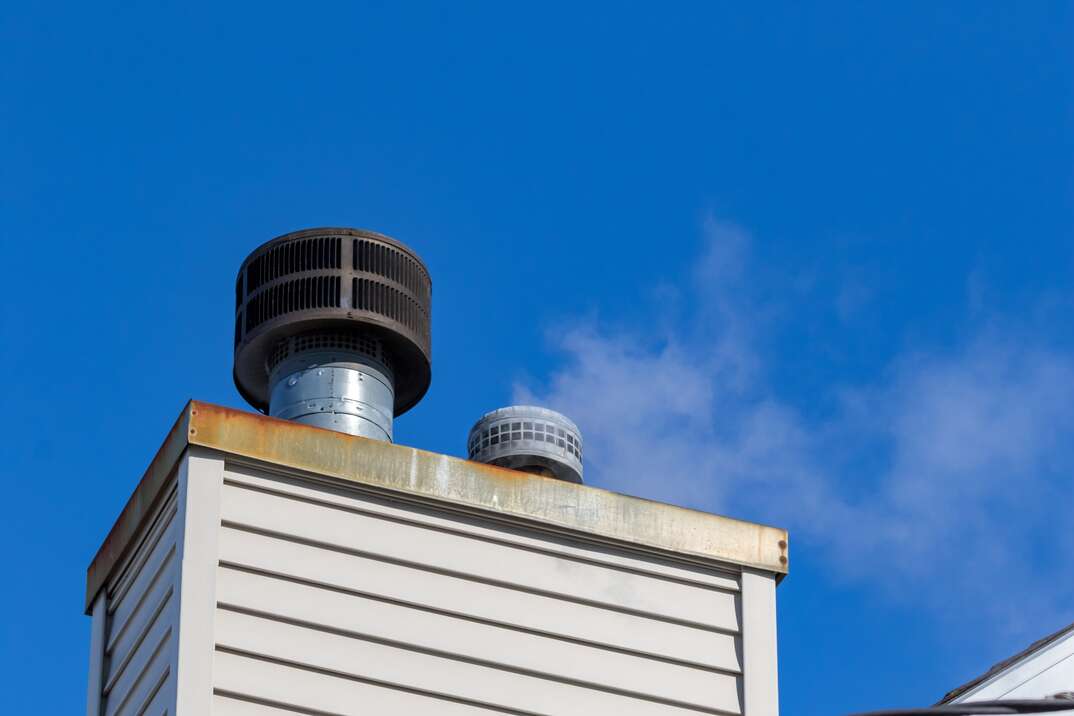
x: 608, y: 516
x: 139, y: 507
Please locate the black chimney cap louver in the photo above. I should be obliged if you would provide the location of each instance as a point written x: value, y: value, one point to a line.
x: 347, y: 281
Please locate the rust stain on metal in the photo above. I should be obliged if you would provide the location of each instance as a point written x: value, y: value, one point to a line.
x: 471, y: 486
x: 138, y: 507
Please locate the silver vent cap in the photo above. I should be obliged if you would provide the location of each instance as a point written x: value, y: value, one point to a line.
x: 528, y: 438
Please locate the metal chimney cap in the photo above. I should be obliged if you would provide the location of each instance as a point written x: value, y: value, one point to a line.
x: 528, y: 438
x: 333, y: 280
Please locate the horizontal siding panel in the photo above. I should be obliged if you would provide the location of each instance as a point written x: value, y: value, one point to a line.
x: 477, y: 600
x: 163, y: 701
x: 131, y: 650
x: 318, y: 693
x: 131, y: 566
x: 440, y: 674
x: 489, y: 529
x: 233, y: 706
x: 478, y: 558
x: 142, y: 622
x: 469, y: 639
x: 146, y: 566
x: 145, y: 674
x: 141, y: 607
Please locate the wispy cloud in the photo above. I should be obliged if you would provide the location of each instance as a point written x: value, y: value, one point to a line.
x: 949, y: 471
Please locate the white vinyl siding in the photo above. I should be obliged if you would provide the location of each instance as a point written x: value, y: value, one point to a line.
x: 140, y: 627
x: 257, y: 591
x: 336, y: 601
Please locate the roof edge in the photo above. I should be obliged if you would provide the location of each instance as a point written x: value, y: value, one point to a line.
x: 139, y: 506
x: 1002, y: 667
x: 588, y: 511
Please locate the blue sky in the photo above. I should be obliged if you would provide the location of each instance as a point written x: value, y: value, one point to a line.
x: 808, y: 266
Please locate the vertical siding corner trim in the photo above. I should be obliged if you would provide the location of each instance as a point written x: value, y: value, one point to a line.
x: 151, y: 644
x: 760, y: 683
x: 200, y: 479
x: 96, y: 668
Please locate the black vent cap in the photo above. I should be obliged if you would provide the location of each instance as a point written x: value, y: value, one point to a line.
x: 338, y: 279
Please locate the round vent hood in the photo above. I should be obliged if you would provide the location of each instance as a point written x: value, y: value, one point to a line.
x: 528, y: 438
x: 332, y: 328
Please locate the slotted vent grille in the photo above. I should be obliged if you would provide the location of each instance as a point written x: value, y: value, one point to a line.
x: 394, y: 265
x: 348, y: 341
x: 508, y: 432
x: 298, y: 295
x: 376, y: 297
x: 316, y: 254
x: 333, y: 280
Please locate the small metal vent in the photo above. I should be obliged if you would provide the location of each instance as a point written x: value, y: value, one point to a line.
x: 516, y: 431
x: 343, y: 341
x: 528, y: 438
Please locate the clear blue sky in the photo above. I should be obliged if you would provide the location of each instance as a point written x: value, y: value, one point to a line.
x: 809, y: 267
